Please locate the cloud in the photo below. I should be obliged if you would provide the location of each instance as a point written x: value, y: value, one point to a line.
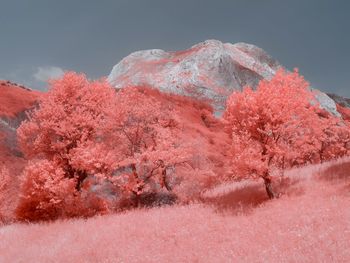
x: 45, y: 73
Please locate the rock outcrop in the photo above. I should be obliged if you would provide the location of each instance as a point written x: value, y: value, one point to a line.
x: 326, y: 102
x: 343, y: 105
x: 344, y: 102
x: 208, y: 71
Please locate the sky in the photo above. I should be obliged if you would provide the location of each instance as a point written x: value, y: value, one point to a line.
x: 40, y: 39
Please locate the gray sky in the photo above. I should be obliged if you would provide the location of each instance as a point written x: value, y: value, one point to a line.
x: 39, y: 38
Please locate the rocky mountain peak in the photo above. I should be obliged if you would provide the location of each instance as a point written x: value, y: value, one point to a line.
x: 209, y: 71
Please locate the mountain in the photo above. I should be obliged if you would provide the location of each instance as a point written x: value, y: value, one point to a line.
x: 209, y: 71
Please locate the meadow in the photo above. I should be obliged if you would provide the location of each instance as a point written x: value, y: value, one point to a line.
x: 234, y: 222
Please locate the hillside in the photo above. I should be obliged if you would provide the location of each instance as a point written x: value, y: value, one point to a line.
x: 15, y: 98
x: 309, y: 223
x: 14, y: 101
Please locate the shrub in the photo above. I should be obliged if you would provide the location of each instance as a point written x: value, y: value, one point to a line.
x: 46, y: 192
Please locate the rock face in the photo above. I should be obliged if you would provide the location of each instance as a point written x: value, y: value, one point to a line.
x: 343, y: 105
x: 208, y: 71
x: 326, y: 102
x: 344, y: 102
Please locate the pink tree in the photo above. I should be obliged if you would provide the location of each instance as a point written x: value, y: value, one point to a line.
x: 275, y: 127
x: 85, y: 129
x: 65, y: 139
x: 69, y: 126
x: 148, y: 145
x: 333, y: 136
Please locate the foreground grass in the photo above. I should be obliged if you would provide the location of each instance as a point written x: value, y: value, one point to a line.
x: 236, y: 223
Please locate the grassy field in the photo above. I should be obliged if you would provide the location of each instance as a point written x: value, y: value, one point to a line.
x: 310, y: 222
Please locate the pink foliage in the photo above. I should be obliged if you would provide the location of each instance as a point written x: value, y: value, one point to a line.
x: 47, y: 194
x: 105, y: 149
x: 45, y: 191
x: 149, y: 143
x: 71, y: 113
x: 65, y: 134
x: 280, y: 125
x: 98, y: 139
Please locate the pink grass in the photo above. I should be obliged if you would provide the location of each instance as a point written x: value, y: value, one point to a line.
x: 236, y: 223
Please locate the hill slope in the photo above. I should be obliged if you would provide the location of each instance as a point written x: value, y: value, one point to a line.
x: 14, y: 101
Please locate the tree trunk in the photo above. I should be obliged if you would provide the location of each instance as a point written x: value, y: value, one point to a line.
x: 82, y: 175
x: 268, y: 186
x: 164, y: 180
x: 139, y: 187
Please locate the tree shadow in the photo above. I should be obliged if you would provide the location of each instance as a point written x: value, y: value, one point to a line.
x: 335, y: 173
x: 147, y: 200
x: 238, y: 201
x: 245, y: 199
x: 287, y: 186
x: 157, y: 199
